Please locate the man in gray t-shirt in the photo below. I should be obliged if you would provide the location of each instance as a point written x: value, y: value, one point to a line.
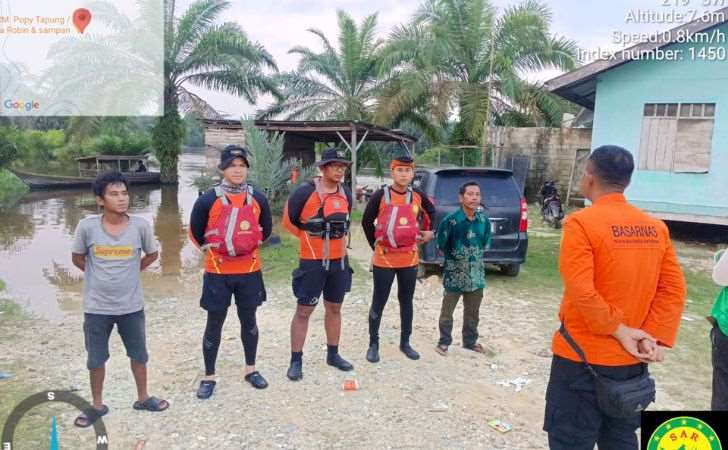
x: 112, y: 284
x: 112, y: 249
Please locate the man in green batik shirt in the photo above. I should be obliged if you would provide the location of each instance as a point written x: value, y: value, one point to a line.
x: 463, y: 236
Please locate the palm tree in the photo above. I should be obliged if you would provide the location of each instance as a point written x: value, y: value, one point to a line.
x: 197, y: 51
x: 459, y: 57
x: 334, y: 83
x: 202, y: 53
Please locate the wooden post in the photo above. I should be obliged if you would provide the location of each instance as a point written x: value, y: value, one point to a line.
x: 571, y: 178
x: 353, y: 159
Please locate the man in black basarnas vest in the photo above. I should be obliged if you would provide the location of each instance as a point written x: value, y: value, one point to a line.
x: 318, y: 214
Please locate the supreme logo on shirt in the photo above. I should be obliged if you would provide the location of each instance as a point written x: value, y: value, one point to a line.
x: 113, y: 252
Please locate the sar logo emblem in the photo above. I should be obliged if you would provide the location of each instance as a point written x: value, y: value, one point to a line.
x: 403, y: 221
x: 337, y: 204
x: 684, y: 433
x: 245, y: 225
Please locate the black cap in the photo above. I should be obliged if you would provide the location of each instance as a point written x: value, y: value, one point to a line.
x: 407, y: 159
x: 229, y: 154
x: 332, y: 155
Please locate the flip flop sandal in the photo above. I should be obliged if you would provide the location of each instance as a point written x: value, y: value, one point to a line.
x: 207, y: 387
x: 478, y: 348
x: 89, y: 416
x: 151, y: 404
x: 256, y: 380
x: 441, y: 349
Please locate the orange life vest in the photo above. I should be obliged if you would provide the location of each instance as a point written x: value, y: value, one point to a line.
x: 397, y: 228
x: 332, y: 220
x: 236, y: 233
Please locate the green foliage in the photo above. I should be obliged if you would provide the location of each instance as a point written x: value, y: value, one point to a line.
x: 33, y: 147
x: 11, y: 188
x: 205, y: 181
x: 280, y: 260
x: 167, y: 138
x: 432, y: 156
x: 201, y: 52
x: 336, y: 83
x: 8, y: 152
x: 195, y: 132
x: 443, y: 156
x: 107, y: 144
x: 83, y: 128
x: 50, y: 151
x: 461, y: 56
x: 270, y: 172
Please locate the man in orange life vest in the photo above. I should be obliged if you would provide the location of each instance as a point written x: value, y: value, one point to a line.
x: 624, y: 293
x: 317, y: 213
x: 394, y: 239
x: 229, y: 223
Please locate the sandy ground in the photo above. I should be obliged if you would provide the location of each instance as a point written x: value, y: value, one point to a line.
x: 436, y: 402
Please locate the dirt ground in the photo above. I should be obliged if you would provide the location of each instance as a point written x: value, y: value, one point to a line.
x: 436, y: 402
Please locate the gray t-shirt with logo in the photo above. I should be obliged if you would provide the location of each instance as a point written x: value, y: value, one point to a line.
x: 112, y: 284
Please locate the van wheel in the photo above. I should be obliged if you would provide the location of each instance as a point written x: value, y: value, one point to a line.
x: 510, y: 270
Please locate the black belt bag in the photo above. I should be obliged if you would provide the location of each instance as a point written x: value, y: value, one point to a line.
x: 620, y: 399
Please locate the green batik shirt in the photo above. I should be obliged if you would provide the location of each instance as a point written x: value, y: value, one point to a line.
x: 463, y: 242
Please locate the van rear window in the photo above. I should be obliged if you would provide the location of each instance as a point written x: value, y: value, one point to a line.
x: 496, y: 189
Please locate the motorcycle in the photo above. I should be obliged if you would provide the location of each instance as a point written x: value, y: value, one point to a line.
x: 363, y: 194
x: 551, y: 208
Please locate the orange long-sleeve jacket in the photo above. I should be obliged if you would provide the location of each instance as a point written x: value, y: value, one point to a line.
x: 618, y: 265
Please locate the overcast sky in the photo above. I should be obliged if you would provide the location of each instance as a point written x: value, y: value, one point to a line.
x: 281, y: 24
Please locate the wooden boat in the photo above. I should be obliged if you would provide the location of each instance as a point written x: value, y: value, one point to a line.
x: 133, y: 167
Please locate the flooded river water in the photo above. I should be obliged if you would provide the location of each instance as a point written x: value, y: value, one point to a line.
x: 36, y: 235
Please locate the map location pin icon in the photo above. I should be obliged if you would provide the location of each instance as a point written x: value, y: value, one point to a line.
x: 81, y: 19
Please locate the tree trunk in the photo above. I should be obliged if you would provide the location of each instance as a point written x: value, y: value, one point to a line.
x: 167, y: 137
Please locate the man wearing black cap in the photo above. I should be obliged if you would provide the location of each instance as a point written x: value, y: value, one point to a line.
x: 318, y: 213
x: 228, y: 223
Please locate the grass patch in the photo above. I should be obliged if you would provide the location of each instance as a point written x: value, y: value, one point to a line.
x: 11, y: 188
x: 33, y: 431
x: 541, y: 269
x: 9, y: 310
x: 13, y: 390
x: 702, y: 291
x: 540, y: 272
x: 280, y: 260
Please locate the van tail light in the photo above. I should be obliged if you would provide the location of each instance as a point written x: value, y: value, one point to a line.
x: 523, y: 225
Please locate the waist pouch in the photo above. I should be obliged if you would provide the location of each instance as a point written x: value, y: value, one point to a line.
x: 620, y: 399
x: 318, y: 227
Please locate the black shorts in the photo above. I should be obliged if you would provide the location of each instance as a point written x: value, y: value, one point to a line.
x: 218, y: 289
x: 573, y: 419
x: 97, y: 330
x: 311, y: 279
